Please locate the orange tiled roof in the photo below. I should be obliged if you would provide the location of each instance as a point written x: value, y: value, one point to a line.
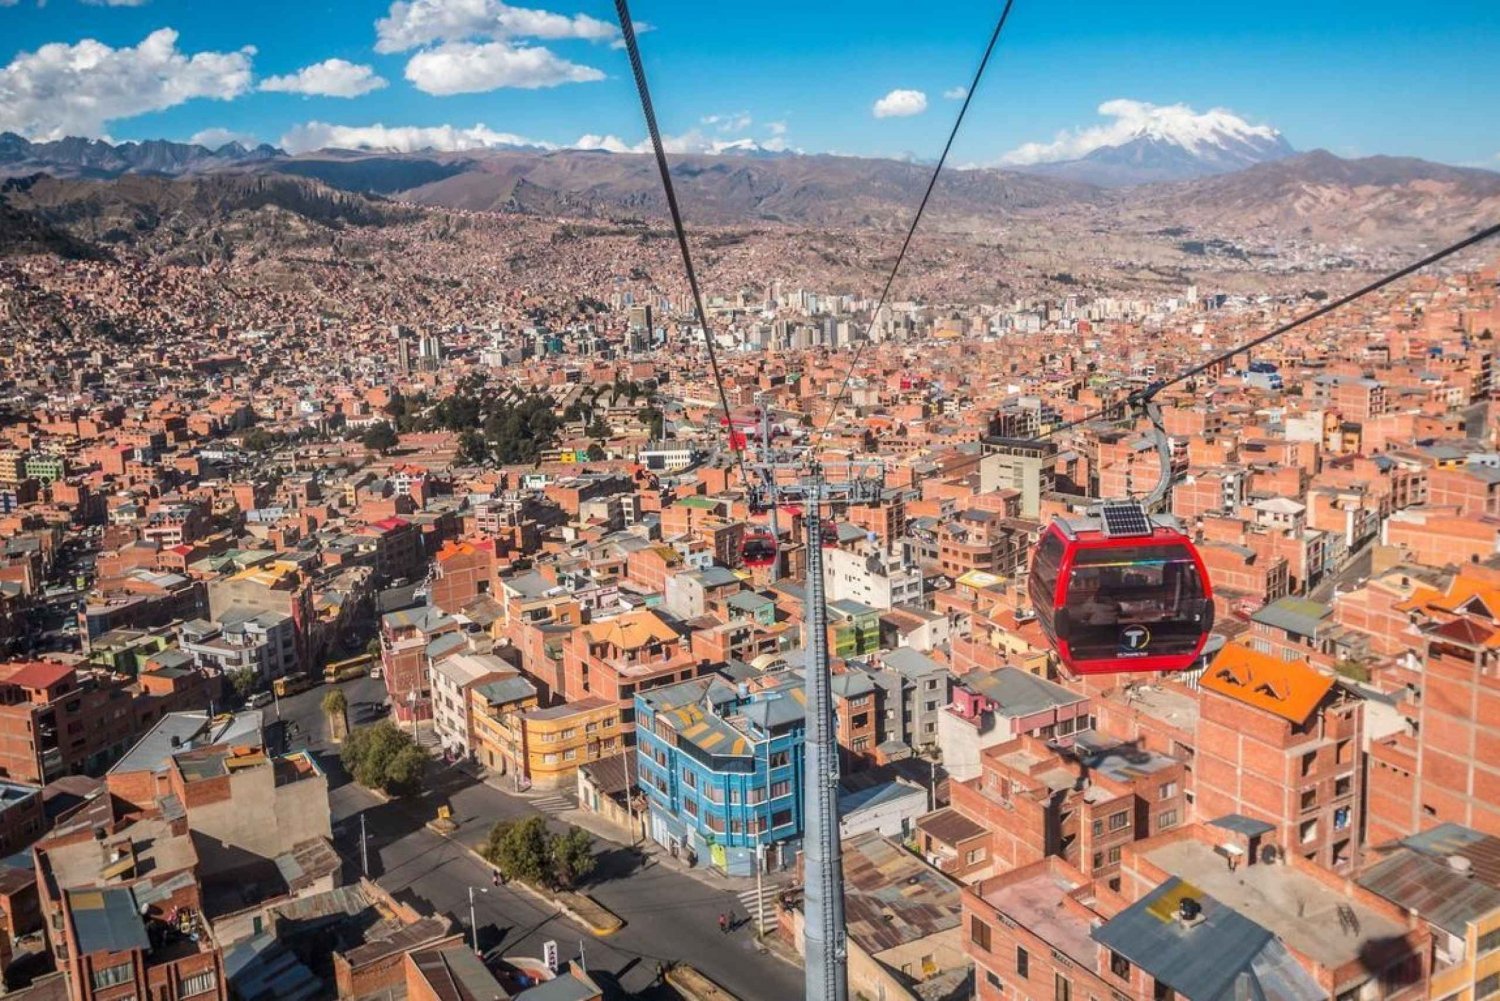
x: 1289, y: 689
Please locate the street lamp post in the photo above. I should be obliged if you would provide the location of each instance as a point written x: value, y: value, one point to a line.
x: 473, y: 922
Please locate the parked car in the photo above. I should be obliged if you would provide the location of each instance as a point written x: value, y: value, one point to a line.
x: 258, y: 700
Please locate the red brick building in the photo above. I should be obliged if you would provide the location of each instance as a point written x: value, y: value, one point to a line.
x: 1280, y: 742
x: 55, y: 721
x: 1082, y: 807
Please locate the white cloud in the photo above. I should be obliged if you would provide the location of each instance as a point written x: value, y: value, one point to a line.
x: 400, y: 138
x: 956, y: 93
x: 777, y: 128
x: 691, y: 142
x: 63, y: 89
x: 901, y: 104
x: 411, y: 24
x: 1130, y: 119
x: 467, y: 68
x: 215, y: 137
x: 330, y: 78
x: 736, y: 121
x: 115, y: 3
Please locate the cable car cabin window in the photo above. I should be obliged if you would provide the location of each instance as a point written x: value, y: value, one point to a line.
x: 1045, y: 565
x: 1157, y: 587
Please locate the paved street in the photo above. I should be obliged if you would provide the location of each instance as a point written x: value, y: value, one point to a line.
x: 669, y: 915
x: 1355, y: 570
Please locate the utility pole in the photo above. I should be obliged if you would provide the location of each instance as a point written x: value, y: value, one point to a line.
x: 364, y: 848
x: 825, y: 943
x: 473, y: 923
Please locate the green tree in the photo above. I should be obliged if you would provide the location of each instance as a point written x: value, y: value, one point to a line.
x: 653, y: 419
x: 598, y: 428
x: 260, y: 440
x: 572, y: 856
x: 473, y: 450
x: 372, y: 648
x: 596, y: 452
x: 384, y: 757
x: 244, y: 681
x: 379, y: 437
x: 521, y: 850
x: 336, y: 708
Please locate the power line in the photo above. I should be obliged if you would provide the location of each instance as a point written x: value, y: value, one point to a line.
x: 627, y: 29
x: 921, y: 207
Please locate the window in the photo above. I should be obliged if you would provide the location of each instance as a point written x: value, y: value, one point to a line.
x: 1309, y: 760
x: 111, y: 975
x: 1119, y: 821
x: 780, y: 789
x: 1166, y: 790
x: 1098, y: 859
x: 690, y: 807
x: 1166, y: 819
x: 975, y: 855
x: 198, y: 983
x: 1119, y: 965
x: 1161, y: 992
x: 780, y: 759
x: 991, y: 978
x: 1114, y: 855
x: 979, y: 932
x: 1098, y: 828
x: 781, y: 818
x: 1343, y: 786
x: 1489, y: 942
x: 570, y: 754
x: 549, y: 759
x: 1487, y: 987
x: 1062, y: 987
x: 1023, y: 963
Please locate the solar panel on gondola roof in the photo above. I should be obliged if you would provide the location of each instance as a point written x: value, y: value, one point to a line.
x: 1125, y: 519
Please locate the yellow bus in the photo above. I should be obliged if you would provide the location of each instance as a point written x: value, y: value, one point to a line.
x: 291, y: 685
x: 344, y: 670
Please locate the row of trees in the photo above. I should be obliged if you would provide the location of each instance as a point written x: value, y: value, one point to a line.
x: 528, y: 851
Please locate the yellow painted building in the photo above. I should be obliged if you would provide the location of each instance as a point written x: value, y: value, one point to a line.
x: 559, y: 739
x: 495, y: 712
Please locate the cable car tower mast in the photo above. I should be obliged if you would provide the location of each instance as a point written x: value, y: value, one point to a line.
x: 816, y: 486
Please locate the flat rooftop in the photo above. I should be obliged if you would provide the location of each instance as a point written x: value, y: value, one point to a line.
x: 157, y: 852
x: 1295, y: 907
x: 1036, y: 905
x: 1170, y: 705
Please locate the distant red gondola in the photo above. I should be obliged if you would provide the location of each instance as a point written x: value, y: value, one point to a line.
x: 758, y: 548
x: 1121, y: 592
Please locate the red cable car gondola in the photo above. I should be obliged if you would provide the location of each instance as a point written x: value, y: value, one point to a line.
x: 758, y: 549
x: 1121, y: 592
x: 830, y: 534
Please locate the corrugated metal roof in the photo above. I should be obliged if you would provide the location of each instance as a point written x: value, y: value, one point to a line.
x: 1206, y: 960
x: 1296, y: 615
x: 893, y: 898
x: 1433, y: 889
x: 107, y: 920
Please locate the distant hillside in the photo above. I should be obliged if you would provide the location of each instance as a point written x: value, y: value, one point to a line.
x: 198, y: 218
x: 828, y: 191
x: 1380, y: 199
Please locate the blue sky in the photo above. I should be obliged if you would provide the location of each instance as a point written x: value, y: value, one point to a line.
x: 1356, y: 78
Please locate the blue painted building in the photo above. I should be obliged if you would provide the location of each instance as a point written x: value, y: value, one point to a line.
x: 721, y: 767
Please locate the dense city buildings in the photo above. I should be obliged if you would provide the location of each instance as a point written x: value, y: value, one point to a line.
x: 511, y: 499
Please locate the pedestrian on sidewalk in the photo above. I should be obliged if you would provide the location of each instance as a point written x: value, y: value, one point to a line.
x: 724, y: 923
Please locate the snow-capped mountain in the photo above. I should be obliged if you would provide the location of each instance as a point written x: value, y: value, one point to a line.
x: 1146, y: 142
